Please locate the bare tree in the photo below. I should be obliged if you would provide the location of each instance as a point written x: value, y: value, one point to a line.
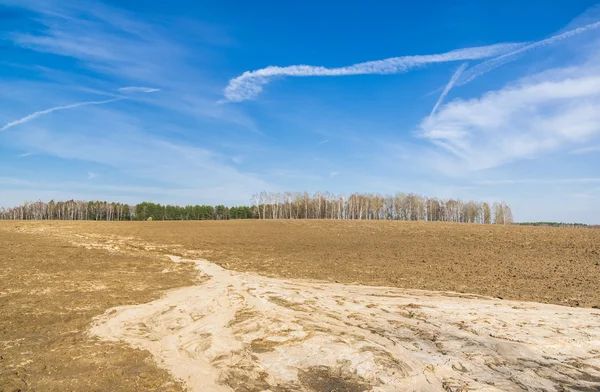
x: 320, y: 205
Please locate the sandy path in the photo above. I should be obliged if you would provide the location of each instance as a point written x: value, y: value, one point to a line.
x: 238, y: 331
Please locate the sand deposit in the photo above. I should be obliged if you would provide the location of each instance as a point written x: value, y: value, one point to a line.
x: 243, y: 332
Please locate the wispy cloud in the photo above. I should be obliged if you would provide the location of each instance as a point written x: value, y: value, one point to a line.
x: 583, y: 195
x: 111, y: 49
x: 122, y: 47
x: 449, y: 86
x: 106, y: 39
x: 140, y: 190
x: 489, y: 65
x: 129, y: 152
x: 556, y: 110
x: 324, y: 141
x: 586, y: 150
x: 249, y: 84
x: 540, y: 181
x: 26, y: 154
x: 91, y: 175
x: 516, y: 122
x: 333, y: 174
x: 137, y: 89
x: 35, y: 115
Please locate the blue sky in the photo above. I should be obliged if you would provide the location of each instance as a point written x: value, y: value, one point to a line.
x: 202, y: 102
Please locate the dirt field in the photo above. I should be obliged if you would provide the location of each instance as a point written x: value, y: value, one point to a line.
x: 550, y: 265
x: 49, y: 292
x: 55, y: 277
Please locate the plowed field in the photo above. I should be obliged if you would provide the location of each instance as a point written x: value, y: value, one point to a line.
x: 552, y: 265
x: 55, y: 277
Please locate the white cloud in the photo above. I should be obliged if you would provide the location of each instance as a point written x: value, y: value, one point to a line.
x: 517, y: 122
x: 489, y: 65
x: 17, y: 190
x: 324, y: 141
x: 249, y: 84
x: 586, y: 150
x: 91, y: 175
x: 35, y: 115
x: 109, y: 137
x: 104, y: 38
x: 66, y: 186
x: 117, y: 47
x: 583, y: 195
x: 550, y: 181
x: 333, y: 174
x: 138, y: 89
x: 141, y: 56
x: 449, y: 86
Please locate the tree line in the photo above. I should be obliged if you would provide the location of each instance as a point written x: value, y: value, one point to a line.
x: 102, y: 210
x: 360, y: 206
x: 288, y: 205
x: 560, y: 224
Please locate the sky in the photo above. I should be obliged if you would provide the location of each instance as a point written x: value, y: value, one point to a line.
x: 208, y: 102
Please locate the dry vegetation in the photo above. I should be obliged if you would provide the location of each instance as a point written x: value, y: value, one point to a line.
x: 56, y: 276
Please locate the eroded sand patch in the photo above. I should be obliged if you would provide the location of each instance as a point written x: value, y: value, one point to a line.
x: 237, y: 331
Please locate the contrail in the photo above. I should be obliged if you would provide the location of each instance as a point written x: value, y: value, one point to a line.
x: 54, y: 109
x: 249, y: 84
x: 448, y: 87
x: 137, y: 89
x: 489, y: 65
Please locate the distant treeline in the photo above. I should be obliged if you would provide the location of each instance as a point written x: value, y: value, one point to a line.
x: 357, y: 206
x: 368, y: 206
x: 102, y: 210
x: 559, y: 224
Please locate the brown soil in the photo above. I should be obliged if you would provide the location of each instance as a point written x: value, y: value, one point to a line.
x: 49, y: 292
x: 551, y: 265
x: 56, y: 276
